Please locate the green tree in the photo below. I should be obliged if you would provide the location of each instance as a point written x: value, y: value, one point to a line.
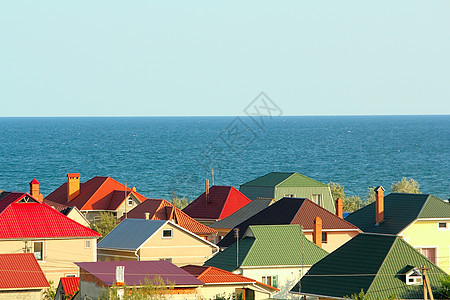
x: 444, y: 291
x: 352, y: 203
x: 105, y: 224
x: 337, y: 190
x: 151, y: 290
x: 371, y: 195
x: 406, y: 186
x: 179, y: 202
x: 50, y: 293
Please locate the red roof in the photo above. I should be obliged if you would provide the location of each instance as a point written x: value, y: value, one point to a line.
x: 70, y: 285
x: 215, y: 275
x: 22, y: 216
x: 21, y: 271
x: 160, y: 209
x: 98, y: 193
x: 222, y: 202
x: 34, y: 181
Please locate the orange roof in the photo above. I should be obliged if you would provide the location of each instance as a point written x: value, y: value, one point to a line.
x: 21, y: 271
x: 211, y: 275
x: 160, y: 209
x: 98, y: 193
x: 70, y: 285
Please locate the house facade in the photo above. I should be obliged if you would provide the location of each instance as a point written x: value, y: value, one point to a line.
x: 154, y: 240
x: 277, y: 185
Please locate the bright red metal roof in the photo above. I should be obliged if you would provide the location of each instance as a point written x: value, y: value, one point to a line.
x: 98, y: 193
x: 21, y: 271
x: 70, y: 285
x: 222, y: 202
x: 36, y: 220
x: 34, y: 181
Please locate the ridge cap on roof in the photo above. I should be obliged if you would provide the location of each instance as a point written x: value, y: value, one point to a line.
x: 286, y: 178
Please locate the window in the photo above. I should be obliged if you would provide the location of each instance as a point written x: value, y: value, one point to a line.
x: 38, y: 250
x: 317, y: 198
x: 414, y: 277
x: 87, y: 244
x: 167, y: 233
x: 70, y: 275
x: 130, y: 201
x: 270, y: 280
x: 324, y: 237
x: 290, y: 195
x: 429, y: 253
x: 442, y: 226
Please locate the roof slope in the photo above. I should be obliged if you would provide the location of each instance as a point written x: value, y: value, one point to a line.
x: 120, y: 237
x: 284, y: 179
x: 137, y: 271
x: 98, y: 193
x: 36, y: 220
x: 222, y: 202
x: 160, y: 209
x: 400, y: 210
x: 270, y: 245
x: 70, y: 285
x: 242, y: 214
x: 290, y: 211
x: 371, y: 262
x: 21, y: 271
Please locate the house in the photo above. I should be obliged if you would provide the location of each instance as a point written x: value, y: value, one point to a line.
x: 225, y: 225
x: 216, y: 203
x: 70, y: 211
x: 27, y: 225
x: 380, y: 265
x: 420, y: 219
x: 21, y: 277
x: 154, y: 240
x: 276, y: 255
x: 98, y: 194
x: 160, y: 209
x: 333, y: 230
x: 277, y: 185
x: 97, y: 277
x: 67, y: 288
x: 218, y: 282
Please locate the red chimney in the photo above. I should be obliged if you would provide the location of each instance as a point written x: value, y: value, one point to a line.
x: 34, y: 190
x: 317, y: 234
x: 207, y: 190
x: 379, y: 205
x: 339, y: 208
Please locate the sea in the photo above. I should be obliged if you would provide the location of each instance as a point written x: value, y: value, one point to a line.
x: 165, y: 157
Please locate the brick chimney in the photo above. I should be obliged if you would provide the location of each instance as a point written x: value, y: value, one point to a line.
x: 379, y: 205
x: 34, y: 190
x: 339, y: 208
x: 73, y: 186
x: 207, y: 190
x: 317, y: 234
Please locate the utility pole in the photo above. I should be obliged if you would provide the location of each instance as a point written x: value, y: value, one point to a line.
x: 426, y: 284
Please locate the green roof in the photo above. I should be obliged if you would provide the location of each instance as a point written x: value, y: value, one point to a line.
x: 270, y: 245
x: 284, y: 179
x: 374, y: 263
x: 400, y: 210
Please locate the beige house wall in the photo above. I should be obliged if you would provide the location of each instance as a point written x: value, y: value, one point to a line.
x: 208, y: 292
x: 77, y: 216
x: 115, y: 255
x: 59, y: 255
x: 21, y: 295
x: 335, y: 239
x: 125, y: 207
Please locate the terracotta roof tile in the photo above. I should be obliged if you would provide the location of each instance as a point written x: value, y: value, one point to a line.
x: 70, y: 285
x: 21, y: 271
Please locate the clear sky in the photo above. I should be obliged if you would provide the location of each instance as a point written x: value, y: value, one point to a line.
x: 200, y: 58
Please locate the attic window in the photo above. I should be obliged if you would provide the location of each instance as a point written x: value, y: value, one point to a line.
x: 414, y: 277
x: 25, y: 199
x: 290, y: 195
x: 130, y: 201
x: 317, y: 198
x: 167, y: 233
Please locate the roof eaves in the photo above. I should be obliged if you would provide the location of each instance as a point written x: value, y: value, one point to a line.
x: 193, y: 234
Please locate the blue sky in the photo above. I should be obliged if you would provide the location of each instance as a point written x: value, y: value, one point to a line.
x: 200, y: 58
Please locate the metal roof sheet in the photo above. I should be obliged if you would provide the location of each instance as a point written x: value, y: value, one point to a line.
x: 70, y: 285
x: 284, y: 179
x: 21, y: 271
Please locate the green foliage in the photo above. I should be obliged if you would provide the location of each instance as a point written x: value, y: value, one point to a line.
x: 337, y: 191
x: 360, y: 296
x: 179, y: 202
x: 371, y: 195
x: 406, y: 186
x: 50, y: 293
x: 444, y: 291
x: 352, y: 203
x: 223, y: 296
x: 106, y: 223
x: 150, y: 290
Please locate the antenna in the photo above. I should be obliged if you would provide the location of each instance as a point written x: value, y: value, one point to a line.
x: 236, y: 234
x: 212, y: 173
x: 126, y: 200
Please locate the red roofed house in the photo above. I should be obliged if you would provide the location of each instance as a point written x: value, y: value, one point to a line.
x: 21, y: 277
x: 160, y: 209
x: 67, y: 288
x: 27, y: 225
x: 216, y: 203
x: 219, y: 282
x: 96, y: 195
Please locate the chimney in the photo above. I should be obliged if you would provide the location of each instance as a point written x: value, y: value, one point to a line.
x: 317, y: 234
x: 379, y: 205
x: 339, y: 208
x: 34, y: 190
x: 120, y: 275
x: 147, y: 216
x: 207, y: 190
x: 133, y: 189
x: 73, y: 186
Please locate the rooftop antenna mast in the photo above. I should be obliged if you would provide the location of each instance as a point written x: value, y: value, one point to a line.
x: 126, y: 200
x: 212, y: 173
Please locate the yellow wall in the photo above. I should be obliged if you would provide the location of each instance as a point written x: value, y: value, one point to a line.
x: 124, y: 206
x: 335, y: 239
x: 425, y: 234
x: 59, y: 255
x: 208, y: 292
x: 21, y: 295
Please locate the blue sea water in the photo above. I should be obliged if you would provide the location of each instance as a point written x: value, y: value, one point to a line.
x: 165, y: 155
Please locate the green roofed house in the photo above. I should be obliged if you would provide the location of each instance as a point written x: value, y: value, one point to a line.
x: 276, y: 255
x: 277, y: 185
x: 381, y: 265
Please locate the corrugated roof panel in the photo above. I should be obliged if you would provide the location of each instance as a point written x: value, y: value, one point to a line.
x: 21, y: 271
x: 272, y: 179
x: 70, y: 285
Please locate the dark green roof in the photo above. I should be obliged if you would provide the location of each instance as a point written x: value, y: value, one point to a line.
x: 270, y: 245
x: 371, y: 262
x: 284, y: 179
x: 400, y: 210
